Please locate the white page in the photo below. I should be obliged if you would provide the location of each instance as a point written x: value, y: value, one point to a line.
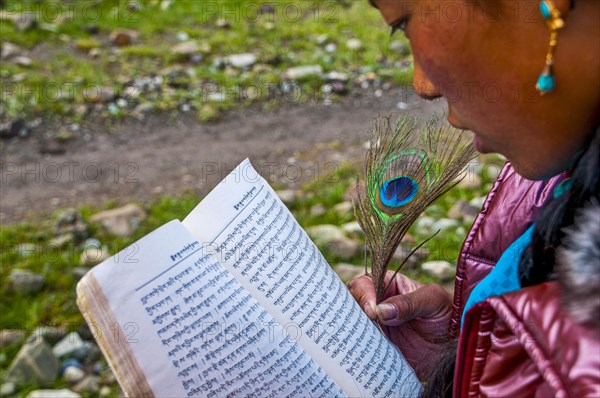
x: 255, y: 236
x: 195, y: 330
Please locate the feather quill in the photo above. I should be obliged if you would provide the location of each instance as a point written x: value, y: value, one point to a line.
x: 407, y: 167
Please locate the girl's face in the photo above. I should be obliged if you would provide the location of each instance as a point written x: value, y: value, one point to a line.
x: 484, y: 58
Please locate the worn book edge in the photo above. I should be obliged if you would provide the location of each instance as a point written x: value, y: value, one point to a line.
x: 115, y: 349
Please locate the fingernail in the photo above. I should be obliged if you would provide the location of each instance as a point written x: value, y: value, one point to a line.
x: 386, y: 311
x: 370, y: 310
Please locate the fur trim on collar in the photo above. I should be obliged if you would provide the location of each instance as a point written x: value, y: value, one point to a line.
x: 578, y: 266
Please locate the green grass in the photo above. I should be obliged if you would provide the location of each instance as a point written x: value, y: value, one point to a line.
x: 65, y: 33
x: 55, y: 305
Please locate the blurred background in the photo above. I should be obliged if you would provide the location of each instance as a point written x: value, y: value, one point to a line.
x: 118, y: 116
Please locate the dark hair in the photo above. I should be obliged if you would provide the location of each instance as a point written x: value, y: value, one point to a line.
x: 537, y: 264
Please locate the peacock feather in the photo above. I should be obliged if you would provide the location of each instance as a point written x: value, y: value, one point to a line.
x: 407, y: 168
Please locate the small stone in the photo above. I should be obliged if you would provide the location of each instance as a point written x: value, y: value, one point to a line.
x: 7, y: 389
x: 49, y: 334
x: 69, y: 222
x: 90, y: 383
x: 318, y: 210
x: 424, y: 224
x: 64, y: 393
x: 444, y: 224
x: 182, y: 36
x: 303, y: 72
x: 335, y: 241
x: 336, y: 77
x: 22, y: 60
x: 354, y: 44
x: 73, y: 374
x: 402, y: 106
x: 124, y: 37
x: 344, y: 209
x: 347, y: 272
x: 441, y: 270
x: 105, y: 391
x: 122, y: 221
x: 26, y: 249
x: 9, y: 337
x: 69, y: 344
x: 34, y: 363
x: 287, y: 196
x: 100, y: 95
x: 93, y: 256
x: 25, y: 21
x: 477, y: 202
x: 187, y: 48
x: 399, y: 47
x: 71, y: 362
x: 352, y: 229
x: 241, y: 61
x: 24, y: 281
x: 10, y: 50
x: 331, y: 47
x: 222, y: 23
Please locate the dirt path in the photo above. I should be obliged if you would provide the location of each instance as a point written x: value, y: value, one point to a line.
x: 141, y: 160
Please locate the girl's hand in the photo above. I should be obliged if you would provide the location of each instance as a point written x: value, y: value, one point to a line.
x: 414, y: 316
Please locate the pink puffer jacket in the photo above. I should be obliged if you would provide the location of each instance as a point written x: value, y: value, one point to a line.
x: 524, y: 343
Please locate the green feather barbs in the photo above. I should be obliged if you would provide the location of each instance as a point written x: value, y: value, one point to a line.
x: 408, y: 166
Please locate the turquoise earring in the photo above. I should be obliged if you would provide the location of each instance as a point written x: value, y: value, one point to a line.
x: 554, y: 21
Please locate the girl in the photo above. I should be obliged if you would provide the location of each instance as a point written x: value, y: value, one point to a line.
x: 524, y: 76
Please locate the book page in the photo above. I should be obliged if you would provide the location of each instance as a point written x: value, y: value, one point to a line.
x: 253, y: 234
x: 194, y: 330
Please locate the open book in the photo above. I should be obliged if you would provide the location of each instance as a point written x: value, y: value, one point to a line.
x: 236, y: 300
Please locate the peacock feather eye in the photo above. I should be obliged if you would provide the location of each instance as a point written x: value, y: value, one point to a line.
x: 398, y: 191
x: 400, y: 180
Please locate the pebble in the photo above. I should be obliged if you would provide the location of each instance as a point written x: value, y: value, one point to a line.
x: 318, y: 210
x: 64, y: 393
x: 477, y: 202
x: 352, y: 229
x: 122, y: 221
x: 336, y: 77
x: 89, y: 383
x: 93, y: 256
x: 124, y: 37
x: 10, y: 50
x: 354, y: 44
x: 68, y: 345
x: 24, y: 281
x: 331, y: 47
x: 7, y: 389
x: 101, y: 95
x: 187, y: 48
x: 344, y: 209
x: 105, y: 391
x: 334, y: 240
x: 73, y: 374
x: 23, y: 61
x: 241, y: 61
x: 287, y: 196
x: 26, y: 249
x: 441, y: 270
x: 49, y: 334
x: 70, y: 362
x: 399, y: 47
x: 302, y: 72
x: 25, y: 21
x: 34, y: 363
x: 9, y: 337
x: 444, y: 224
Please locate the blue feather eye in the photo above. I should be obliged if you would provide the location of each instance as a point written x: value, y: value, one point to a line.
x: 398, y: 191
